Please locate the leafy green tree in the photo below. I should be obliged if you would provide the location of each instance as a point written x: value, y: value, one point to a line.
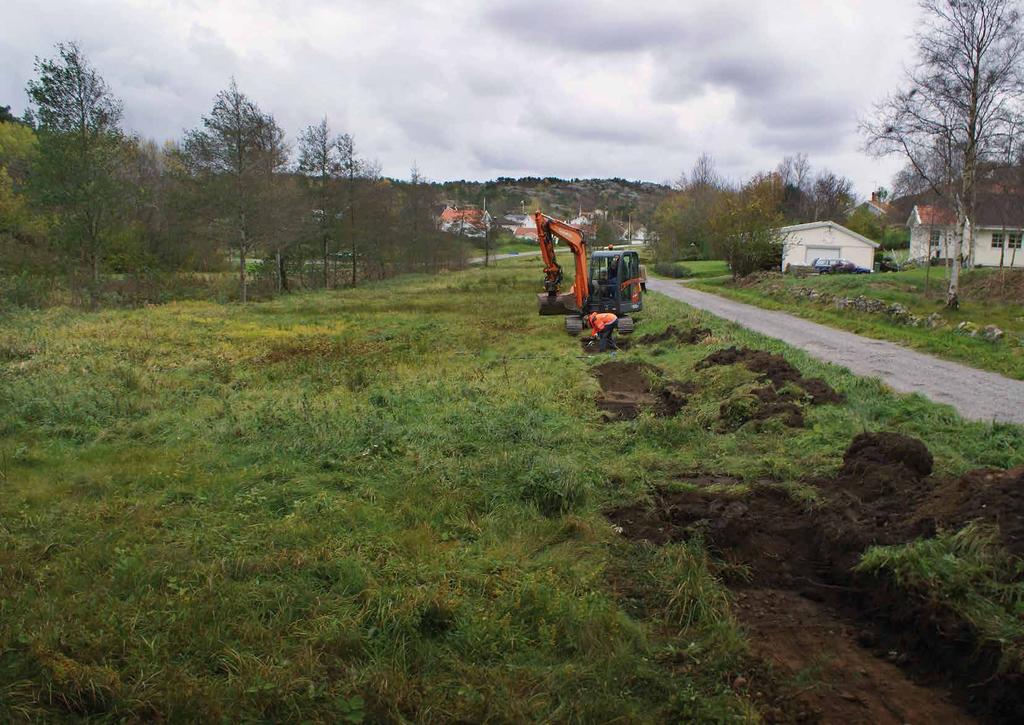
x: 745, y: 226
x: 80, y: 153
x: 864, y: 222
x: 682, y: 220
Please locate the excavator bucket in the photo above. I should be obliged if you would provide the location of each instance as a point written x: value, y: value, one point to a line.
x: 563, y: 304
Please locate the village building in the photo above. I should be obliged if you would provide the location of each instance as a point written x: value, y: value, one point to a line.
x: 803, y: 243
x: 464, y: 222
x: 998, y: 233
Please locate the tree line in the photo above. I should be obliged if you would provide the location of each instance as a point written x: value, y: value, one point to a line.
x: 89, y: 207
x: 708, y: 217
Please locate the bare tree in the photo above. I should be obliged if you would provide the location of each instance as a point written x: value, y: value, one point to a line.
x: 832, y: 195
x: 320, y: 158
x: 353, y: 168
x: 238, y: 151
x: 957, y: 106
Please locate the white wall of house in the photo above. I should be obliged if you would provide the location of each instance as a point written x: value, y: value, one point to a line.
x: 802, y: 243
x: 987, y: 255
x: 926, y: 240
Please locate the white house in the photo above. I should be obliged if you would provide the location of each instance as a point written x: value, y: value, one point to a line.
x: 803, y: 243
x: 997, y: 237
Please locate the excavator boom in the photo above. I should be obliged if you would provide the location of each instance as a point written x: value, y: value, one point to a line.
x: 551, y: 301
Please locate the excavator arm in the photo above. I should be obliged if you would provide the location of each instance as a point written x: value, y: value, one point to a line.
x: 548, y: 228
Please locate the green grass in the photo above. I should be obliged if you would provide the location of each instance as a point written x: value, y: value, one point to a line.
x: 703, y: 268
x: 908, y: 289
x: 507, y: 248
x: 381, y: 504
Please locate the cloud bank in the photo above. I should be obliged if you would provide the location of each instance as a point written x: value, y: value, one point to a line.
x: 477, y: 90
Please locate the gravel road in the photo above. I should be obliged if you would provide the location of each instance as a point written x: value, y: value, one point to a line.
x: 976, y: 394
x: 497, y: 257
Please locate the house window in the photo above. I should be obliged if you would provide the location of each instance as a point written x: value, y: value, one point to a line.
x: 1013, y: 240
x: 936, y: 238
x: 997, y: 240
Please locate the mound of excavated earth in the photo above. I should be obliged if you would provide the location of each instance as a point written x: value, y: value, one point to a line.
x: 872, y: 642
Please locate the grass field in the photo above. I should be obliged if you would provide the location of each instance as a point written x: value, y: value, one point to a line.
x: 382, y: 504
x: 985, y: 301
x: 507, y: 248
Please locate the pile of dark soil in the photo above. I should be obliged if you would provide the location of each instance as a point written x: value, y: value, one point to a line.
x: 627, y: 388
x: 782, y: 396
x: 777, y: 553
x: 774, y: 369
x: 989, y: 495
x: 693, y: 336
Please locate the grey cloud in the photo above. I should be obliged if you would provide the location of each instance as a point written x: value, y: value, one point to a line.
x: 467, y: 89
x: 615, y: 27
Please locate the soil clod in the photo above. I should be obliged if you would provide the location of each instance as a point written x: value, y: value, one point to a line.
x: 775, y: 369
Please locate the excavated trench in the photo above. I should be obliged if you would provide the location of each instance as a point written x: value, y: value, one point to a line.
x: 628, y: 388
x: 864, y: 649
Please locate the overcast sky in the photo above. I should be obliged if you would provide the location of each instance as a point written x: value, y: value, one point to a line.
x: 630, y: 88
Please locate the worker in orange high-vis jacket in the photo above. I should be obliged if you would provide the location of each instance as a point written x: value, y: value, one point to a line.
x: 603, y: 325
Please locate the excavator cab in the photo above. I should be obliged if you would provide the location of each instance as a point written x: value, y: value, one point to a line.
x: 616, y: 282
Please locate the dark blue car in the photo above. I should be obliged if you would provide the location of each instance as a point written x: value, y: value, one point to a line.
x: 826, y: 265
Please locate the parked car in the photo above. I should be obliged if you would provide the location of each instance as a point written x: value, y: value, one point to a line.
x: 824, y: 265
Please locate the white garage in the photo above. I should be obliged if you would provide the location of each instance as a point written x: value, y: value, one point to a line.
x: 803, y: 243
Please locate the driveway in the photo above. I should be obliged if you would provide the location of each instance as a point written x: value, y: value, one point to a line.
x: 976, y: 394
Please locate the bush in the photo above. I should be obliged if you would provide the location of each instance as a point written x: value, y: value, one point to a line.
x: 896, y: 238
x: 672, y: 269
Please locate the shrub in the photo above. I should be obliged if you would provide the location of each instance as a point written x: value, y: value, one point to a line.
x: 673, y: 270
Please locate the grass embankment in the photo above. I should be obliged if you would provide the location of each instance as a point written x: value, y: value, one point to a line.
x: 985, y: 300
x: 382, y: 503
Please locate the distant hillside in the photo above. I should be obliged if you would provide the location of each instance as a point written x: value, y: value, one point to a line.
x: 559, y: 197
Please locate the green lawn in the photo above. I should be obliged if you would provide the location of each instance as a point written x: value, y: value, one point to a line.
x: 381, y: 504
x: 984, y: 302
x: 507, y: 248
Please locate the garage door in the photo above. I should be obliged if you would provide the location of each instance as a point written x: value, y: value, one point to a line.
x: 815, y: 252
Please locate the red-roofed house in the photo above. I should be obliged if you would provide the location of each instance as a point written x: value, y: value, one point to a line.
x: 468, y: 222
x: 527, y: 232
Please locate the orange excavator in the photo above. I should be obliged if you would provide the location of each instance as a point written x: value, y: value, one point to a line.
x: 609, y: 281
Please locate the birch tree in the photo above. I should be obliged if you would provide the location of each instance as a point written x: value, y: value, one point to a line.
x: 956, y: 107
